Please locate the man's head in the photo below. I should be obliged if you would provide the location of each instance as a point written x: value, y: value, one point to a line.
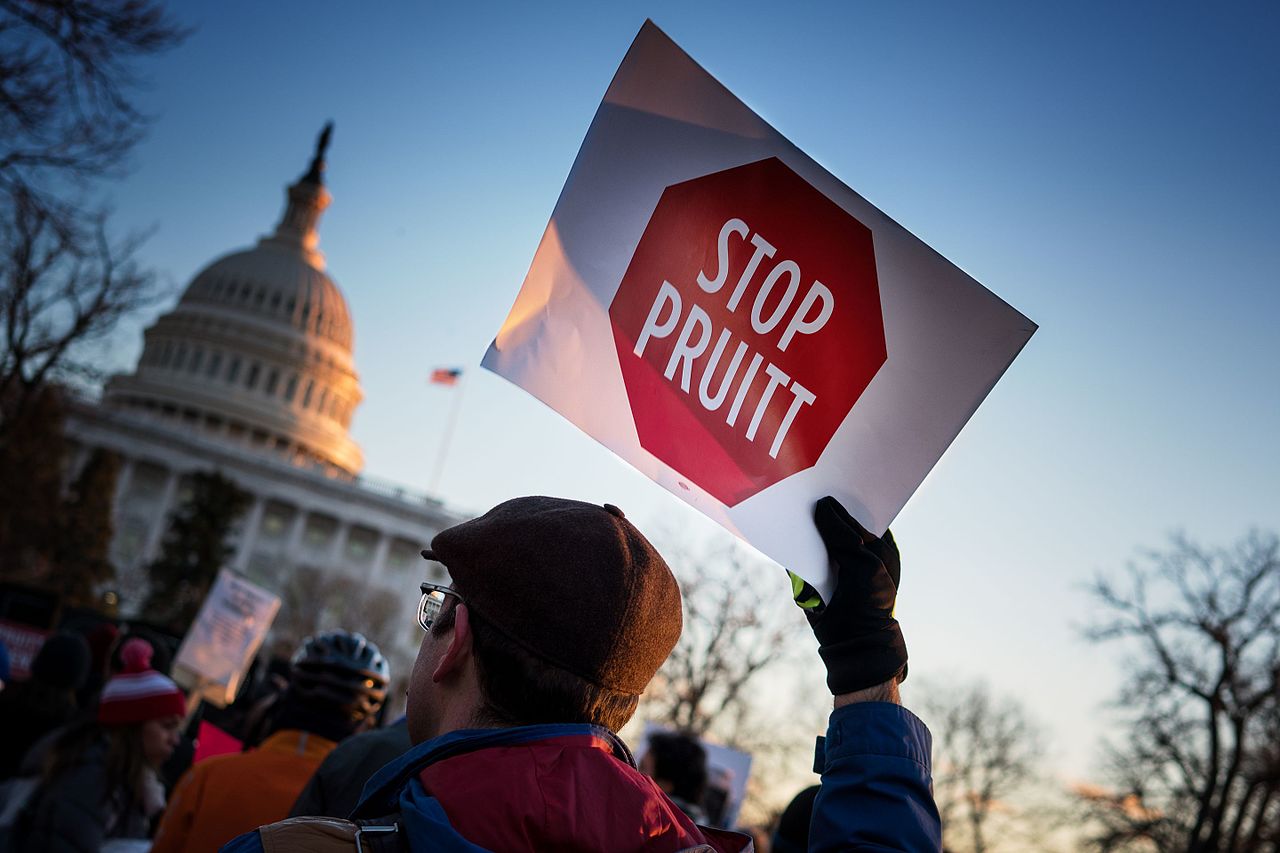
x: 563, y: 613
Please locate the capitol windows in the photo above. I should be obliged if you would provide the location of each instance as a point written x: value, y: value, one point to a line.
x: 276, y: 520
x: 252, y: 381
x: 361, y: 542
x: 233, y: 372
x: 273, y: 379
x: 186, y: 490
x: 166, y: 353
x: 275, y: 301
x: 197, y: 358
x: 146, y: 485
x: 215, y: 362
x: 403, y: 555
x: 306, y: 395
x: 324, y: 394
x: 319, y: 532
x: 128, y: 543
x: 291, y: 388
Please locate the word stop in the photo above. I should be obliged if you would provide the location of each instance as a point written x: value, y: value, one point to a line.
x: 776, y: 317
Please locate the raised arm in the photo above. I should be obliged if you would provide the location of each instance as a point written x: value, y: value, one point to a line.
x: 876, y: 789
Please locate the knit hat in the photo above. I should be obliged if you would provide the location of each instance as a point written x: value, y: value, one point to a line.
x: 139, y: 693
x: 63, y: 661
x: 572, y: 583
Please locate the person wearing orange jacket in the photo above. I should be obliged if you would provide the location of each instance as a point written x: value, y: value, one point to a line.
x: 337, y: 684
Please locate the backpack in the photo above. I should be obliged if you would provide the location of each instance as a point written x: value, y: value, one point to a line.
x: 334, y: 835
x: 381, y: 835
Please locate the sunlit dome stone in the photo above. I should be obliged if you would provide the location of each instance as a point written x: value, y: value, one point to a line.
x: 258, y: 349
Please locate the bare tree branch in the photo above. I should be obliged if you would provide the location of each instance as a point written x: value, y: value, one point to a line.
x: 1199, y: 765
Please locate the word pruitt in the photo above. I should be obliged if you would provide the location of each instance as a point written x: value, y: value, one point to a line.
x: 695, y: 334
x: 746, y: 326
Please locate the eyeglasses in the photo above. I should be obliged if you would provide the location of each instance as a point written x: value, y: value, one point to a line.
x: 433, y: 595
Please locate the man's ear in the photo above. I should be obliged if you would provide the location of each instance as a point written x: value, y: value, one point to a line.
x: 459, y: 651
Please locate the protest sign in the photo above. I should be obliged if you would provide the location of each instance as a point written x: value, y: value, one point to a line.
x: 231, y: 625
x: 23, y: 643
x: 727, y: 773
x: 732, y: 320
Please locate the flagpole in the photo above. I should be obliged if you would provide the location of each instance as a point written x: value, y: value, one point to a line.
x: 447, y: 439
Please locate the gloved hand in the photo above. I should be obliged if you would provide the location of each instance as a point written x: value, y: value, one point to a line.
x: 858, y: 638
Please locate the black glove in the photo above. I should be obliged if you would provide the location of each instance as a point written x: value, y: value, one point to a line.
x: 858, y: 638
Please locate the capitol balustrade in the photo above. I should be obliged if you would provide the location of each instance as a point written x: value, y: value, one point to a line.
x: 298, y: 515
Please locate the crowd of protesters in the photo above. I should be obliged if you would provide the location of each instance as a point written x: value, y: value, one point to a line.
x: 557, y: 615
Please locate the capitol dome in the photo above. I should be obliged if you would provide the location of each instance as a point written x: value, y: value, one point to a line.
x: 258, y: 349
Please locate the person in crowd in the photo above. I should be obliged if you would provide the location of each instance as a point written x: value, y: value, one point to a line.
x: 558, y: 615
x: 335, y: 788
x: 336, y: 685
x: 99, y: 777
x: 102, y: 639
x: 46, y: 701
x: 678, y: 764
x: 792, y: 833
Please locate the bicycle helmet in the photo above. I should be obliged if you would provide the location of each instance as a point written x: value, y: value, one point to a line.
x: 343, y: 671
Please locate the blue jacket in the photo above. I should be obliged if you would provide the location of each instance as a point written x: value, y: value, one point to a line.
x: 875, y: 791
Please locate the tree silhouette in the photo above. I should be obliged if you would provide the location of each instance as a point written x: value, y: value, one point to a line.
x: 1198, y: 769
x: 67, y: 119
x: 985, y: 750
x: 32, y: 454
x: 196, y: 546
x: 81, y: 554
x: 734, y: 631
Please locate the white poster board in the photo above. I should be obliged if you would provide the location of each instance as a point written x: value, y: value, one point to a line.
x: 728, y: 317
x: 727, y: 771
x: 227, y: 633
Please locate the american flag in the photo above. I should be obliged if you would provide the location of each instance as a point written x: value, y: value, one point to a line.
x: 446, y: 375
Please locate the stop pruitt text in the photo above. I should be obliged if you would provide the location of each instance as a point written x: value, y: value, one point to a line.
x: 808, y: 317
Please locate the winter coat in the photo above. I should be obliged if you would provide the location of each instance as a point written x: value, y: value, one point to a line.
x: 575, y: 788
x: 221, y: 797
x: 335, y: 788
x: 547, y: 787
x: 69, y: 813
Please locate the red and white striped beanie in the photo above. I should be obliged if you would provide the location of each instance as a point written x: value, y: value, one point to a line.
x: 139, y: 693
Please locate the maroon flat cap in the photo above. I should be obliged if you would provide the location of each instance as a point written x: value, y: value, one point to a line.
x: 572, y: 583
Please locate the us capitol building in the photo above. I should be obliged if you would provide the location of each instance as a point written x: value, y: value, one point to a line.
x: 251, y: 374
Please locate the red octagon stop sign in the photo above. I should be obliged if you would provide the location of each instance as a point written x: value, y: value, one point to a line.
x: 747, y: 325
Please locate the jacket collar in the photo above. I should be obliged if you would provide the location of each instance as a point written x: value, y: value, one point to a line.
x: 382, y: 792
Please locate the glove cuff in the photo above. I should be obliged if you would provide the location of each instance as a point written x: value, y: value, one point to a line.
x: 865, y: 661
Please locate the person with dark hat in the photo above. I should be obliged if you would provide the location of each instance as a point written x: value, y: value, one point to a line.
x: 337, y: 683
x: 558, y: 614
x: 46, y: 701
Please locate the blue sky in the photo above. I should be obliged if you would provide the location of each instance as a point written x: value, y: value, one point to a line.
x: 1109, y: 169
